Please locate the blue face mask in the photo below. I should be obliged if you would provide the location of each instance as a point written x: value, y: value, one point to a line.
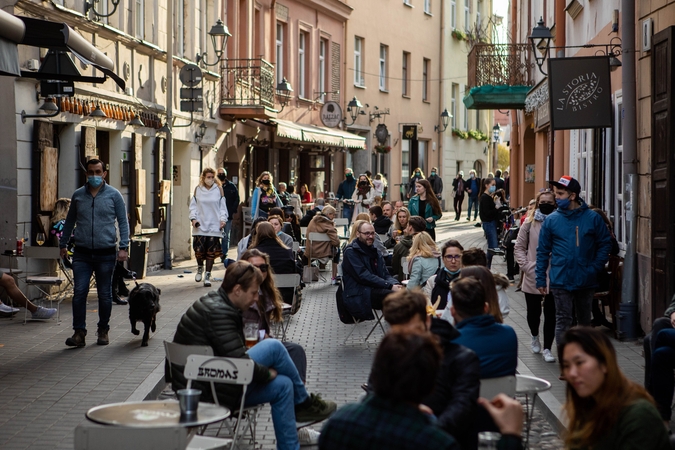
x: 94, y: 181
x: 492, y: 189
x: 563, y: 203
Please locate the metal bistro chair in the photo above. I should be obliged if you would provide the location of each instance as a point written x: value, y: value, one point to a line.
x: 317, y: 237
x: 344, y: 224
x: 237, y: 371
x: 378, y: 321
x: 43, y: 281
x: 406, y: 271
x: 248, y: 222
x: 288, y: 280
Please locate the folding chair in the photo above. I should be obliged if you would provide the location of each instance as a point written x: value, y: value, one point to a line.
x: 42, y: 282
x: 344, y: 223
x: 106, y: 437
x: 248, y: 222
x: 317, y: 237
x: 288, y: 280
x: 303, y: 233
x: 213, y: 369
x: 406, y: 271
x: 378, y: 321
x: 489, y: 387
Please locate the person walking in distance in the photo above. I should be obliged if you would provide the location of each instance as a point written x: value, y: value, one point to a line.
x: 489, y: 216
x: 97, y: 211
x: 231, y: 195
x: 208, y: 216
x: 472, y: 186
x: 345, y: 192
x: 458, y: 187
x: 576, y: 243
x: 436, y: 182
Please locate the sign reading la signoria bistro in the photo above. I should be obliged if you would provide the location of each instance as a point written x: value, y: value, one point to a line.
x: 580, y: 92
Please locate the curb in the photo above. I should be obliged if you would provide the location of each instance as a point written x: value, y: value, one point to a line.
x: 151, y: 387
x: 550, y: 407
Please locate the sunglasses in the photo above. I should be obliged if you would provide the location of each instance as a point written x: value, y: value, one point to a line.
x: 262, y: 267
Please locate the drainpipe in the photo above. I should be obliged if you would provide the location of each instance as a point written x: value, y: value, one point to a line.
x: 168, y: 161
x: 627, y: 317
x: 559, y: 136
x: 441, y: 104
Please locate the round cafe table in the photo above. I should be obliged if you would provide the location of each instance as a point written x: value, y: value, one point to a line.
x: 530, y: 386
x: 151, y: 414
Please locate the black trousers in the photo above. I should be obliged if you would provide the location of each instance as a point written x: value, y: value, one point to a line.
x: 534, y: 316
x: 377, y: 297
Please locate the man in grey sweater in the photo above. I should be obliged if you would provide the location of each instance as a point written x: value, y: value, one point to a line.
x: 95, y: 209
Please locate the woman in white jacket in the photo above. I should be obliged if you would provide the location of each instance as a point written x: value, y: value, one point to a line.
x: 208, y: 215
x: 363, y: 196
x: 526, y: 254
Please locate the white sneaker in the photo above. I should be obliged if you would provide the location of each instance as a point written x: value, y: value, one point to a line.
x: 207, y: 279
x: 43, y: 313
x: 6, y: 310
x: 536, y: 346
x: 198, y: 277
x: 548, y: 357
x: 308, y: 436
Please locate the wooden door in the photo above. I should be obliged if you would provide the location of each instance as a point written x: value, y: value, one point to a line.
x: 663, y: 207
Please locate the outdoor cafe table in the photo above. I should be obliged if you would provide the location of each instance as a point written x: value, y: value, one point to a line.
x: 530, y: 386
x: 151, y: 414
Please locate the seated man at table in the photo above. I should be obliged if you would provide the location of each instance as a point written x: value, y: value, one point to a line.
x: 309, y: 215
x: 366, y: 279
x: 216, y: 320
x: 37, y: 312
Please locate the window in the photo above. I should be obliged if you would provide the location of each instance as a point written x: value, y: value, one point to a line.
x: 427, y: 6
x: 322, y: 68
x: 453, y: 104
x: 383, y: 67
x: 358, y: 62
x: 302, y: 66
x: 180, y: 27
x: 140, y: 19
x: 405, y: 159
x: 280, y: 52
x: 404, y: 74
x: 467, y: 15
x: 478, y: 25
x: 453, y: 14
x: 425, y: 80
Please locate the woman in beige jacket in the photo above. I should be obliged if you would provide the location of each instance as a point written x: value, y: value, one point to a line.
x: 323, y: 223
x: 526, y: 255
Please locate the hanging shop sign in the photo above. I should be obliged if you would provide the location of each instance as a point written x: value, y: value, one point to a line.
x: 580, y: 92
x: 410, y: 132
x: 331, y: 114
x: 381, y: 133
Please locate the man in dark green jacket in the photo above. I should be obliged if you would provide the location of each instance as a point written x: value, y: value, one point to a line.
x: 216, y: 320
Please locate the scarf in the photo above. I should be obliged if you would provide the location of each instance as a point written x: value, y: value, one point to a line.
x: 539, y: 216
x: 363, y: 190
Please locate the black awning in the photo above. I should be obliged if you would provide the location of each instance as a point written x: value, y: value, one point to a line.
x: 56, y: 36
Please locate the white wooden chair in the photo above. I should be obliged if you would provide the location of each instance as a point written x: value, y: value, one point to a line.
x: 317, y: 237
x: 343, y: 224
x: 44, y: 281
x: 246, y: 211
x: 288, y: 280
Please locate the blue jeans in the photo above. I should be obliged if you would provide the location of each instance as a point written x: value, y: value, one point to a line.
x: 473, y: 201
x: 347, y: 212
x: 283, y: 393
x: 579, y: 301
x: 662, y: 383
x: 490, y: 229
x: 226, y: 238
x: 103, y: 267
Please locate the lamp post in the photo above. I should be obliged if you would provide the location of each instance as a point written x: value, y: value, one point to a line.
x: 218, y: 31
x: 445, y: 120
x: 284, y: 91
x: 540, y: 39
x: 496, y: 130
x: 354, y: 109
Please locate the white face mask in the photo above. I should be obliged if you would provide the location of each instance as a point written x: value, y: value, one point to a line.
x: 209, y: 181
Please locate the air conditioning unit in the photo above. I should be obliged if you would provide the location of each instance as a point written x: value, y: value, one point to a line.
x: 32, y: 64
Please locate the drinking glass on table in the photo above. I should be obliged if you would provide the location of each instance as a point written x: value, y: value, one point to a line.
x: 251, y: 333
x: 40, y: 238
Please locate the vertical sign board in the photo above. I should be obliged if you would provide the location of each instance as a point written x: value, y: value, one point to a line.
x: 410, y: 132
x: 580, y: 93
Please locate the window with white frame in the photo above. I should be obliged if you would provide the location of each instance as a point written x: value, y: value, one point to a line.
x: 427, y: 6
x: 453, y: 14
x: 180, y: 28
x: 302, y: 65
x: 358, y: 62
x: 425, y: 79
x: 280, y: 51
x: 383, y: 67
x: 582, y: 158
x: 322, y: 68
x: 619, y: 217
x: 405, y: 89
x: 140, y: 19
x: 453, y: 104
x: 478, y: 20
x: 467, y: 14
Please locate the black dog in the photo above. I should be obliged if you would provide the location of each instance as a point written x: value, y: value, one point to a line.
x: 143, y: 307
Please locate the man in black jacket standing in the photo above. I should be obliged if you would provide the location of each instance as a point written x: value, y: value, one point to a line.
x: 231, y: 195
x: 216, y: 320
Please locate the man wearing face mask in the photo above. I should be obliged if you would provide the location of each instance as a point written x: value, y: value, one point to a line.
x: 96, y: 211
x: 345, y: 192
x: 231, y: 195
x: 436, y: 182
x: 472, y: 187
x: 577, y: 243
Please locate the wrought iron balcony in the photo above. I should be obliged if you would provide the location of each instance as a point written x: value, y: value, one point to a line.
x: 499, y: 76
x: 247, y: 89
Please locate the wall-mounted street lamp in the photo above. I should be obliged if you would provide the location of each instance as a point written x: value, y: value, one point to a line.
x: 98, y: 114
x: 445, y: 120
x: 496, y: 131
x: 91, y: 5
x: 136, y: 122
x: 284, y: 91
x: 49, y: 107
x: 219, y: 32
x: 540, y: 39
x: 354, y: 108
x: 199, y: 135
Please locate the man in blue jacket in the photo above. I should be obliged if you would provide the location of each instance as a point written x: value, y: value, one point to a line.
x: 345, y: 192
x: 231, y: 195
x: 366, y: 279
x: 98, y: 210
x: 577, y: 243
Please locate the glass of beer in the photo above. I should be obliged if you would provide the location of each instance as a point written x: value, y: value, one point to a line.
x: 251, y: 333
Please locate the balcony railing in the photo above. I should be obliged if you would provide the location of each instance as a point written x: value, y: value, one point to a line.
x: 499, y: 65
x: 248, y: 82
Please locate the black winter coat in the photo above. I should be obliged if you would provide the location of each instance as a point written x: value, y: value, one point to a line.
x: 455, y: 395
x: 214, y: 321
x: 382, y: 224
x: 281, y: 259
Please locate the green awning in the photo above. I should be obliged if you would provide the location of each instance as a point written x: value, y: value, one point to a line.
x: 496, y: 97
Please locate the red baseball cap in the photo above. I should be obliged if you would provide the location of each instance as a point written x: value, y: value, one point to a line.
x: 567, y: 182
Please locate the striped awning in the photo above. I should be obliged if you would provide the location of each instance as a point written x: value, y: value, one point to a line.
x: 319, y: 135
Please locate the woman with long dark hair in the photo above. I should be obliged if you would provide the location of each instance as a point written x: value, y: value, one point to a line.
x: 281, y: 256
x: 363, y: 195
x: 489, y: 216
x: 425, y: 204
x: 265, y: 197
x: 605, y: 410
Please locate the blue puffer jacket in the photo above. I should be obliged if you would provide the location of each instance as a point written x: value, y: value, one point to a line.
x: 360, y: 277
x: 578, y: 243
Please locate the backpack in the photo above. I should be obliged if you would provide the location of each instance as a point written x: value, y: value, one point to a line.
x: 345, y: 316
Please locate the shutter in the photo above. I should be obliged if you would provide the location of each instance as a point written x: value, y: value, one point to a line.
x: 135, y: 188
x: 87, y: 144
x: 663, y: 210
x: 158, y: 186
x: 335, y: 70
x: 42, y: 176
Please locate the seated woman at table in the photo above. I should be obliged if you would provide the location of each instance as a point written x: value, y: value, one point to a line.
x: 305, y: 195
x: 37, y: 312
x: 281, y: 256
x: 246, y: 241
x: 278, y: 222
x: 325, y: 250
x: 605, y: 409
x: 398, y: 227
x: 424, y: 260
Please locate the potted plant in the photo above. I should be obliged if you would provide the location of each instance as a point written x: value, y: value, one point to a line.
x: 382, y: 148
x: 459, y: 133
x: 458, y: 34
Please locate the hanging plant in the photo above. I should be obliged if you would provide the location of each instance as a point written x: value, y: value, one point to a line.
x: 459, y: 35
x: 478, y: 135
x: 382, y: 149
x: 459, y: 133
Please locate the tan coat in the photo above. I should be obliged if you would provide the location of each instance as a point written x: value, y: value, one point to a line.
x: 525, y: 252
x: 322, y: 224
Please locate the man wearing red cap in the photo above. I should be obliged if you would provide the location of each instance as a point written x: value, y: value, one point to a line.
x: 577, y: 243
